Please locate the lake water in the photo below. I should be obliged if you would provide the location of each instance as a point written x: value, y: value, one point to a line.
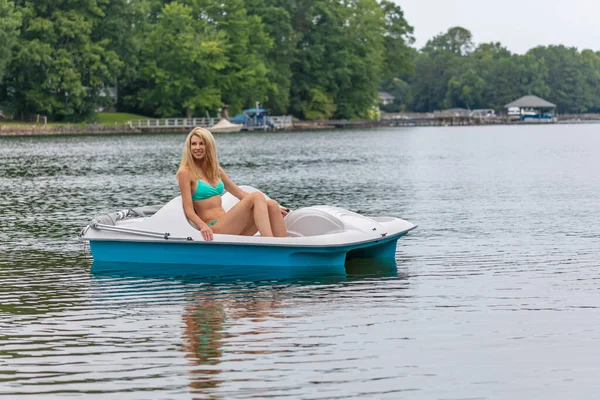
x: 494, y: 296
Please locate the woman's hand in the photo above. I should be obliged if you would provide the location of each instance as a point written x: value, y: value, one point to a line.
x: 284, y: 211
x: 207, y: 233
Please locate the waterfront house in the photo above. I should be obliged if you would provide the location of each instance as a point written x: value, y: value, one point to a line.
x: 385, y: 98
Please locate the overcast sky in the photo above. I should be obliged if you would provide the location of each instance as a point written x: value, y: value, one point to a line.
x: 518, y: 24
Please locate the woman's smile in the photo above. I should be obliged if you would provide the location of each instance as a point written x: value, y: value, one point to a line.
x: 198, y: 147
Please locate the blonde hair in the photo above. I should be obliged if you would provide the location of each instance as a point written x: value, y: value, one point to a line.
x: 210, y: 164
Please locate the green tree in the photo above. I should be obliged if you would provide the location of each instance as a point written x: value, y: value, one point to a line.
x: 591, y: 65
x: 58, y: 68
x: 531, y: 76
x: 318, y: 106
x: 495, y: 65
x: 456, y: 40
x: 566, y: 77
x: 243, y: 79
x: 444, y: 57
x: 340, y: 52
x: 10, y: 20
x: 433, y: 71
x: 180, y: 65
x: 125, y: 25
x: 465, y: 90
x: 277, y: 22
x: 359, y: 68
x: 402, y: 92
x: 311, y: 27
x: 397, y: 39
x: 398, y: 57
x: 507, y: 76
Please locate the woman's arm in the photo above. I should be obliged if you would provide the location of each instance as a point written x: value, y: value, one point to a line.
x: 230, y: 186
x: 185, y: 187
x: 235, y: 190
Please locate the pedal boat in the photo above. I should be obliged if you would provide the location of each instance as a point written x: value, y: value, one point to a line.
x: 318, y: 236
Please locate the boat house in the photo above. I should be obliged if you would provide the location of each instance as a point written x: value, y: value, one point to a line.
x: 531, y: 109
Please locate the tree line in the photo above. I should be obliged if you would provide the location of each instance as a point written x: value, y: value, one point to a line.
x: 314, y: 59
x: 450, y: 71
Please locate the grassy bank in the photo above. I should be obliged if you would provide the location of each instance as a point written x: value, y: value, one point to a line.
x: 108, y: 118
x: 101, y: 118
x: 103, y: 123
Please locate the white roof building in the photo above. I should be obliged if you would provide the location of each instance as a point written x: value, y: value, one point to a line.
x: 385, y: 98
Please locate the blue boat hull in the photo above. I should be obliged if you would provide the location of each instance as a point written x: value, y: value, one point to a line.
x: 183, y: 253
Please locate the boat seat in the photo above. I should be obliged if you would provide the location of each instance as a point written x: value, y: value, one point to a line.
x: 310, y: 221
x: 138, y: 212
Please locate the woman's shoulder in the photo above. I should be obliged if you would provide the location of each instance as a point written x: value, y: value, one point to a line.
x: 185, y: 173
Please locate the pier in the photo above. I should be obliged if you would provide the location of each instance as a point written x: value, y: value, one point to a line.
x: 389, y: 120
x: 183, y: 124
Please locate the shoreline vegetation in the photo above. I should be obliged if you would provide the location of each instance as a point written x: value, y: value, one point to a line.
x: 387, y: 120
x: 340, y: 62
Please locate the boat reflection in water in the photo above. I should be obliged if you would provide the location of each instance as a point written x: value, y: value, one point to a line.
x: 228, y: 327
x: 353, y: 268
x: 225, y: 323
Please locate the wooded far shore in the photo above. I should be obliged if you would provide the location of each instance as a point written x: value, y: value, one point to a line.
x: 336, y: 60
x: 390, y: 120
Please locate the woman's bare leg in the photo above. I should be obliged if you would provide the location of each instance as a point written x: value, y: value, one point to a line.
x: 276, y: 219
x: 277, y: 224
x: 251, y: 209
x: 261, y: 215
x: 249, y: 230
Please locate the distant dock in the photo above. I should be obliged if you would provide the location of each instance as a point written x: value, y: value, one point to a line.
x: 412, y: 122
x: 443, y: 119
x: 185, y: 124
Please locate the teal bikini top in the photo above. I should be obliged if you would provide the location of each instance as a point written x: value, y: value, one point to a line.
x: 205, y: 190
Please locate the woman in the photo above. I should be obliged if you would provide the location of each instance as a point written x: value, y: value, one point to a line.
x: 202, y: 182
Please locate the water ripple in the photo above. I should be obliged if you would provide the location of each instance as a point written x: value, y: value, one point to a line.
x: 494, y: 296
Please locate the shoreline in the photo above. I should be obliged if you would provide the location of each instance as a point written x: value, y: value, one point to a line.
x: 97, y: 129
